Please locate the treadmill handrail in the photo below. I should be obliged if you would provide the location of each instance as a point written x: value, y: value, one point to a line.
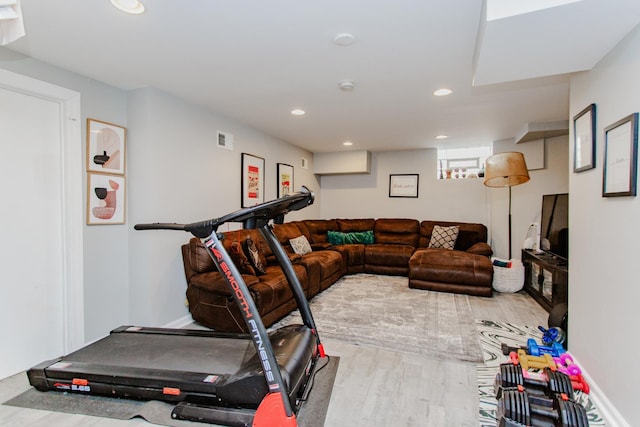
x: 255, y: 217
x: 251, y: 217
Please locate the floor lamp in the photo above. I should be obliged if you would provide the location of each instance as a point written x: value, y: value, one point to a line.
x: 506, y: 170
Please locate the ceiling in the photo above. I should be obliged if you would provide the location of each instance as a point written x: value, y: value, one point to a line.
x: 255, y: 61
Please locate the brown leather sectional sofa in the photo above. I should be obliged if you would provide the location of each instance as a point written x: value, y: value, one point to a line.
x: 401, y: 247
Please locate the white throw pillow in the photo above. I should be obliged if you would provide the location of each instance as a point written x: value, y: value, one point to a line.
x: 300, y: 245
x: 444, y: 237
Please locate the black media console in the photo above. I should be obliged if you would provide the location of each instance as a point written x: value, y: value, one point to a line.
x: 546, y: 278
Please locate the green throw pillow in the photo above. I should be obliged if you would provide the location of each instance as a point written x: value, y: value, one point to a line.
x: 340, y: 238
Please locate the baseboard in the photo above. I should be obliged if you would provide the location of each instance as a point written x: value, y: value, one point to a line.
x: 179, y: 323
x: 612, y: 417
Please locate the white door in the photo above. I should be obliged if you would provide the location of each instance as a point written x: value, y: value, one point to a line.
x: 33, y: 238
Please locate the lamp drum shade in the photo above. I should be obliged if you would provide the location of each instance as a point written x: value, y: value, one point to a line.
x: 506, y: 170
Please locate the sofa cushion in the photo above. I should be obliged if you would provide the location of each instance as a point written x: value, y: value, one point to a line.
x: 287, y: 231
x: 469, y: 234
x: 348, y: 225
x: 451, y: 271
x: 300, y: 245
x: 316, y: 229
x: 389, y: 255
x: 397, y: 231
x: 339, y: 238
x: 199, y: 257
x: 444, y: 237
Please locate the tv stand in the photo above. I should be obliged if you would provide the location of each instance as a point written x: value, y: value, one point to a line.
x: 546, y: 277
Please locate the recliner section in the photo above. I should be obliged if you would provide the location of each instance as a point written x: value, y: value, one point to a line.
x: 401, y: 247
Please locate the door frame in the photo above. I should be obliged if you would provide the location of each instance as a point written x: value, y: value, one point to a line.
x: 72, y: 204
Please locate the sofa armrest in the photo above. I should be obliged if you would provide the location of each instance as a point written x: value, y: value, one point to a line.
x: 481, y: 248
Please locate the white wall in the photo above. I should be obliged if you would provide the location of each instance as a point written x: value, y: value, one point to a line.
x: 176, y: 173
x: 367, y: 196
x: 106, y: 287
x: 526, y: 199
x: 361, y: 196
x: 603, y: 278
x: 169, y: 145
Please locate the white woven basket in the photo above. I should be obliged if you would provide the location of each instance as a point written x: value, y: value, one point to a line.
x: 508, y: 279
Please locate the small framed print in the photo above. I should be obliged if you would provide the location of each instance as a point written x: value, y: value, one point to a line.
x: 403, y: 185
x: 620, y: 157
x: 584, y: 139
x: 252, y: 180
x: 285, y: 179
x: 105, y: 199
x: 106, y: 144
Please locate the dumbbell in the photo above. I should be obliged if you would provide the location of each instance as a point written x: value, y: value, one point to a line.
x: 532, y: 362
x: 517, y: 408
x: 565, y: 364
x: 548, y: 382
x: 535, y: 349
x: 552, y: 335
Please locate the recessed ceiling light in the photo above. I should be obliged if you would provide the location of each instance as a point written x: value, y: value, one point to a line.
x: 133, y: 7
x: 442, y: 92
x: 298, y: 112
x: 344, y: 39
x: 346, y: 85
x: 347, y: 143
x: 442, y: 137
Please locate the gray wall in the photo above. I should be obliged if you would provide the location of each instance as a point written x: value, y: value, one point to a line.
x: 136, y: 277
x: 178, y: 174
x: 603, y: 279
x: 360, y: 196
x: 106, y: 259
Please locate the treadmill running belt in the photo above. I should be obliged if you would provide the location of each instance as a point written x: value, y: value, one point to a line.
x: 177, y: 365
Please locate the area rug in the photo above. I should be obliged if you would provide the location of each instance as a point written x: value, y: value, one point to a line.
x: 382, y: 311
x: 312, y: 413
x: 492, y: 335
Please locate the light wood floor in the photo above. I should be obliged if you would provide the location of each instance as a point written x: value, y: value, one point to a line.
x: 373, y: 387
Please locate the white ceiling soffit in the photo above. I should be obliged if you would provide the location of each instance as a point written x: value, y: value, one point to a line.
x: 521, y: 40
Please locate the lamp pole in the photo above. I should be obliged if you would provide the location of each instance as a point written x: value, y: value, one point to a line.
x: 509, y: 222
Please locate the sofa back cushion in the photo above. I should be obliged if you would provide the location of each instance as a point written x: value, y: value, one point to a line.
x: 349, y: 225
x: 199, y: 258
x: 287, y: 231
x: 397, y: 231
x: 468, y: 235
x: 316, y: 229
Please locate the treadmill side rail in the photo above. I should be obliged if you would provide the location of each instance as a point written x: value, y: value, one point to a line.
x: 251, y: 315
x: 236, y: 417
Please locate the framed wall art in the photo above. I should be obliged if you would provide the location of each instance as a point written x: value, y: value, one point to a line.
x: 620, y: 157
x: 252, y: 180
x: 584, y: 139
x: 106, y: 145
x: 105, y: 199
x: 285, y: 179
x: 403, y: 185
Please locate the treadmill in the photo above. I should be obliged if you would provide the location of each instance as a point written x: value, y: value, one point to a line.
x: 257, y: 378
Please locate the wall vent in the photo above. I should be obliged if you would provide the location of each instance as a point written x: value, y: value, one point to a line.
x: 225, y: 140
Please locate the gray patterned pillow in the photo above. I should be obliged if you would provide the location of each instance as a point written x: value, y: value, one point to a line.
x: 300, y: 245
x: 444, y: 237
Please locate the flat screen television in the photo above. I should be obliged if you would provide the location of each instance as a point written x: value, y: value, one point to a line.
x: 554, y: 225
